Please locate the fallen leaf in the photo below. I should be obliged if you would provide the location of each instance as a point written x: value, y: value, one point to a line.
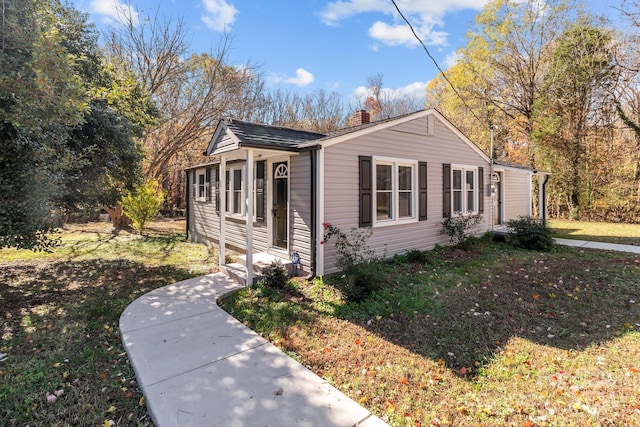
x: 111, y: 409
x: 403, y: 380
x: 279, y: 392
x: 463, y: 371
x: 141, y: 401
x: 358, y: 341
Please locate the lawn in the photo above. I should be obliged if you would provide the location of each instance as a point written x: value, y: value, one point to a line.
x: 490, y: 336
x: 493, y: 336
x: 626, y: 234
x: 60, y: 313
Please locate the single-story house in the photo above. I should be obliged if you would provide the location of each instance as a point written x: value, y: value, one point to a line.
x: 268, y: 189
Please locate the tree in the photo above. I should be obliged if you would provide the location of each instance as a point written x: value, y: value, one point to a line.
x: 41, y: 97
x: 191, y: 90
x: 143, y: 204
x: 383, y: 103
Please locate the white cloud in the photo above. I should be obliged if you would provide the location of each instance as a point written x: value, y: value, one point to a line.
x: 426, y: 16
x: 451, y: 59
x: 219, y: 15
x: 114, y: 11
x: 415, y: 92
x: 302, y: 78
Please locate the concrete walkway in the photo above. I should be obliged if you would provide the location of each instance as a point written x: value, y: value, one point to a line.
x: 199, y: 366
x: 599, y: 245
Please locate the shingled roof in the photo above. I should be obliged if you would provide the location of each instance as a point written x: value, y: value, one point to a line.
x: 259, y: 135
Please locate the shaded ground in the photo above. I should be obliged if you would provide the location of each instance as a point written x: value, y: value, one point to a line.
x: 494, y: 336
x: 59, y: 316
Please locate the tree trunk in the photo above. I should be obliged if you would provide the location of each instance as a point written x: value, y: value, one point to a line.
x: 118, y: 218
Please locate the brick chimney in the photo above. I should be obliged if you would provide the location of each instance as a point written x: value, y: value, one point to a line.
x: 360, y: 117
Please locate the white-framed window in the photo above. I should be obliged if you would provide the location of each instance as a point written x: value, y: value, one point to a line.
x: 201, y: 185
x: 464, y: 189
x: 395, y: 191
x: 234, y: 188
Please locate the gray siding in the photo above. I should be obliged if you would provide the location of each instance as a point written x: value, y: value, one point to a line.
x: 403, y: 141
x: 300, y: 207
x: 204, y: 226
x: 516, y: 194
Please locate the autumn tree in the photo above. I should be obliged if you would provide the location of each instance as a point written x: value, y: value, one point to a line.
x: 192, y: 91
x: 381, y: 102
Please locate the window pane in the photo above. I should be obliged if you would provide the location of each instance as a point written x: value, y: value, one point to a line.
x: 404, y: 201
x: 470, y: 201
x: 383, y: 205
x: 201, y: 185
x: 237, y: 179
x: 470, y: 180
x: 457, y: 179
x: 457, y: 201
x: 383, y: 177
x: 404, y: 178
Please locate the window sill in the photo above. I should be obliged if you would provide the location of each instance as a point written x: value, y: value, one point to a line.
x: 392, y: 222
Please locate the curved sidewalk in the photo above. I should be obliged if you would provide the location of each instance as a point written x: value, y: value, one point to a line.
x: 598, y: 245
x: 199, y: 366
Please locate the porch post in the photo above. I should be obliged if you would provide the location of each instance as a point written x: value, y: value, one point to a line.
x: 320, y: 215
x: 222, y: 209
x: 249, y: 216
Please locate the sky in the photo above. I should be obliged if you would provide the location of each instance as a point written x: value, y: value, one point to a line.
x: 308, y: 45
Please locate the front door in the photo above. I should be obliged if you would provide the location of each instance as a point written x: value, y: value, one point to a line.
x: 280, y: 210
x: 497, y: 198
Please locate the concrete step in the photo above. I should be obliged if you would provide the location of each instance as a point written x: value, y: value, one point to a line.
x: 238, y: 273
x: 263, y: 260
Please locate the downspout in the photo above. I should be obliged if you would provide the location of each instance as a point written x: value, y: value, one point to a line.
x: 313, y: 160
x: 188, y: 200
x: 543, y: 201
x: 492, y: 213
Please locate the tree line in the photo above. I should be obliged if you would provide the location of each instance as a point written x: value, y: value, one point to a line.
x: 559, y: 88
x: 88, y: 117
x: 85, y: 119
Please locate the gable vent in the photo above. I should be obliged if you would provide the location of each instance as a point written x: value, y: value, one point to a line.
x: 431, y: 125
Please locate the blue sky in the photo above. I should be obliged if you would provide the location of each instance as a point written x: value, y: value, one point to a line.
x: 305, y: 45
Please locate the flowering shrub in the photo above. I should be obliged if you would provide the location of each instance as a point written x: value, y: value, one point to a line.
x: 459, y: 228
x: 351, y: 249
x: 356, y: 260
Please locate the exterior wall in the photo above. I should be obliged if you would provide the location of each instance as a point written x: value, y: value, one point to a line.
x: 410, y: 141
x: 517, y: 194
x: 204, y: 226
x: 300, y: 208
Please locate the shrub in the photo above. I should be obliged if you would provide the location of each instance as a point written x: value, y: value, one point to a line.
x: 362, y: 280
x: 143, y: 204
x: 356, y: 260
x: 351, y: 249
x: 461, y: 227
x: 416, y: 255
x: 275, y: 276
x: 531, y: 234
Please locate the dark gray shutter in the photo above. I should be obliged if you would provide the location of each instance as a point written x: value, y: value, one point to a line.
x: 366, y: 191
x: 207, y: 183
x: 260, y: 184
x: 194, y: 185
x: 216, y: 189
x: 481, y: 190
x: 446, y: 190
x: 422, y: 191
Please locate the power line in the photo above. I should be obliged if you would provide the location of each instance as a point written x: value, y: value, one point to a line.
x: 436, y: 62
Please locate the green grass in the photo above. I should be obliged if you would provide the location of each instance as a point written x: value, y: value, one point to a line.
x: 626, y: 234
x: 494, y: 336
x: 60, y: 314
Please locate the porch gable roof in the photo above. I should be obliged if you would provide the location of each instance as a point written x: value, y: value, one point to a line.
x: 232, y: 134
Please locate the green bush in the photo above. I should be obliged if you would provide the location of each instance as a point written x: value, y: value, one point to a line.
x: 143, y: 204
x: 362, y: 280
x: 275, y: 276
x: 418, y: 256
x: 531, y: 234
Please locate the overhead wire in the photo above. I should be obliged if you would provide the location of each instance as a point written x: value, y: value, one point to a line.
x: 444, y: 75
